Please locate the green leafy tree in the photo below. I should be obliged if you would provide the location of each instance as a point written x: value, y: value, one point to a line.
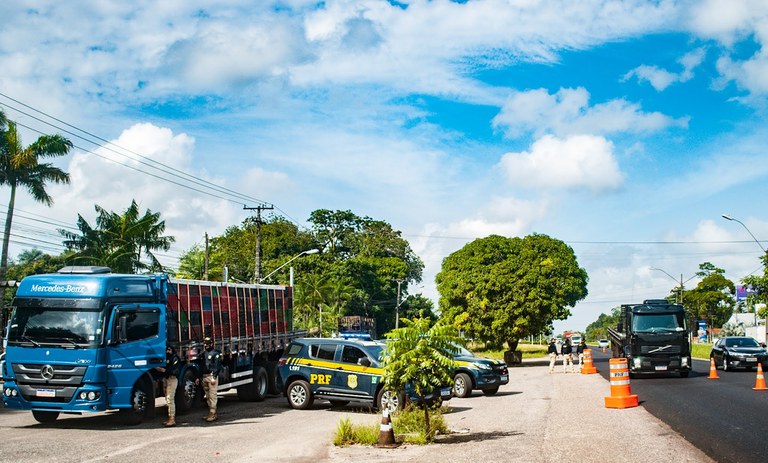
x: 759, y: 284
x: 501, y: 289
x: 599, y: 328
x: 713, y: 299
x: 420, y: 354
x: 119, y: 241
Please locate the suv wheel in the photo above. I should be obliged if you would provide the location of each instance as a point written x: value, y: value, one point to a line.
x: 300, y: 395
x: 388, y: 399
x: 462, y: 385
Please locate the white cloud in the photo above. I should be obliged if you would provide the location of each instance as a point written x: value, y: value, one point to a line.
x: 660, y: 79
x: 568, y: 112
x: 578, y: 161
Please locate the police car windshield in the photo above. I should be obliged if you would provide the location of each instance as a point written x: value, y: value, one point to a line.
x: 66, y: 327
x: 463, y: 351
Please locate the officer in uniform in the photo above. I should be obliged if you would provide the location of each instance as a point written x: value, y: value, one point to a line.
x: 211, y: 369
x: 171, y: 379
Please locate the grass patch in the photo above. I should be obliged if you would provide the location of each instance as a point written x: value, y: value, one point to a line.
x: 700, y: 351
x: 408, y: 425
x: 528, y: 350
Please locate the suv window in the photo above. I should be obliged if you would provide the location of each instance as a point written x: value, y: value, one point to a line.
x: 352, y: 354
x: 322, y: 351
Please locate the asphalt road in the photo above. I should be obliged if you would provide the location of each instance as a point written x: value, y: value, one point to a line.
x: 537, y: 418
x: 725, y: 418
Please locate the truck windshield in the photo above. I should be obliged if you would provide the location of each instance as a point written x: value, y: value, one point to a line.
x: 657, y: 322
x: 60, y: 326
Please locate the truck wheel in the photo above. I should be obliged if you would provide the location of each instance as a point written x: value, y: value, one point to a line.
x: 45, y: 417
x: 188, y: 393
x: 684, y: 374
x: 299, y: 395
x: 256, y: 390
x: 491, y: 391
x: 274, y: 388
x: 141, y: 399
x: 388, y: 399
x: 462, y: 385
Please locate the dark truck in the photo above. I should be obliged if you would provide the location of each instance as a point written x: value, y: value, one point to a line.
x: 653, y: 337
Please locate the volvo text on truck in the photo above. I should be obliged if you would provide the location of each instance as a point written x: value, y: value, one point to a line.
x: 88, y: 340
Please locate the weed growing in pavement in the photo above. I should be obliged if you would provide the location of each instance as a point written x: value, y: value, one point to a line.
x: 408, y: 426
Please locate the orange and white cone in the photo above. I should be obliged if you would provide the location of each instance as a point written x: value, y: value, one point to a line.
x: 386, y: 432
x: 712, y: 369
x: 588, y: 366
x: 760, y: 380
x: 621, y: 394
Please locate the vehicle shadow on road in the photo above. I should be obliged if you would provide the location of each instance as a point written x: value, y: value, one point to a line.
x: 463, y: 437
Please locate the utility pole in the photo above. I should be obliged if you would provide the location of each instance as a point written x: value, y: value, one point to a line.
x: 257, y: 263
x: 205, y: 269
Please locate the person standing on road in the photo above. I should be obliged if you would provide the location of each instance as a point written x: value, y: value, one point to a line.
x: 170, y: 372
x: 552, y: 351
x: 580, y: 350
x: 211, y: 369
x: 567, y: 359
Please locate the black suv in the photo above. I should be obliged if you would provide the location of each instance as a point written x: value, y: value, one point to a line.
x: 340, y: 371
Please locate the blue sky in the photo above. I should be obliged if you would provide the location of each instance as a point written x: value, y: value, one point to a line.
x: 624, y: 128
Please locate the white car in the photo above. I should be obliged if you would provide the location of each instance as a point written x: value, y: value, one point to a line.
x: 602, y: 343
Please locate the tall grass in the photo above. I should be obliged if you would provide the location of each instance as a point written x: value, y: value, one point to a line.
x: 408, y: 426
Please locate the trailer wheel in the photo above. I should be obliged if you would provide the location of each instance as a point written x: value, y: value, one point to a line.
x: 274, y: 387
x: 299, y: 395
x: 45, y: 417
x: 142, y: 398
x: 256, y: 390
x: 188, y: 393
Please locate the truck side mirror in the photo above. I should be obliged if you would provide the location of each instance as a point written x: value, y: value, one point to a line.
x: 120, y: 332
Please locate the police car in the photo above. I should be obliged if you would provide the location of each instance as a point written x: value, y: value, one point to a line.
x: 340, y: 371
x: 477, y: 373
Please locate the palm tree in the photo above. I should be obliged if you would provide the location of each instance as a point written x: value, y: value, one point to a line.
x: 21, y: 167
x: 119, y: 240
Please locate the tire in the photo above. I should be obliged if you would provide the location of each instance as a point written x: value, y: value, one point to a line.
x: 712, y: 358
x: 188, y: 394
x: 491, y: 391
x: 684, y: 374
x: 390, y: 400
x: 338, y: 403
x: 142, y: 399
x: 45, y: 417
x: 725, y: 363
x: 256, y: 390
x: 273, y: 385
x: 299, y: 395
x: 462, y: 385
x: 750, y: 368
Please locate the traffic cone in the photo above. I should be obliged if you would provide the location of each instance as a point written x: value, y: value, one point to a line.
x: 621, y: 395
x: 588, y: 366
x: 712, y: 369
x: 386, y: 433
x: 760, y: 380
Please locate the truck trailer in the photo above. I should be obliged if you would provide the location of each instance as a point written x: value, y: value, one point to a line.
x: 653, y: 337
x: 88, y: 340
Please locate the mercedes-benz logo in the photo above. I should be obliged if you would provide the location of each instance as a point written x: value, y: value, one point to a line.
x: 47, y: 372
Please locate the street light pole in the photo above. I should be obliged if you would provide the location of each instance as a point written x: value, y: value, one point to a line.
x: 302, y: 253
x: 728, y: 217
x: 397, y: 306
x: 682, y: 283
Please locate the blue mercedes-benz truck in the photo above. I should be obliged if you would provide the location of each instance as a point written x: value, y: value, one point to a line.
x: 88, y: 340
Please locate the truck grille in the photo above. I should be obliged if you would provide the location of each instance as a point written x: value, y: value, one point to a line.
x: 62, y: 379
x: 660, y: 350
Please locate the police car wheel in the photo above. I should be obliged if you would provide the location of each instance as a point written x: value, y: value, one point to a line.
x: 300, y: 395
x: 491, y: 391
x: 388, y: 399
x: 462, y: 385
